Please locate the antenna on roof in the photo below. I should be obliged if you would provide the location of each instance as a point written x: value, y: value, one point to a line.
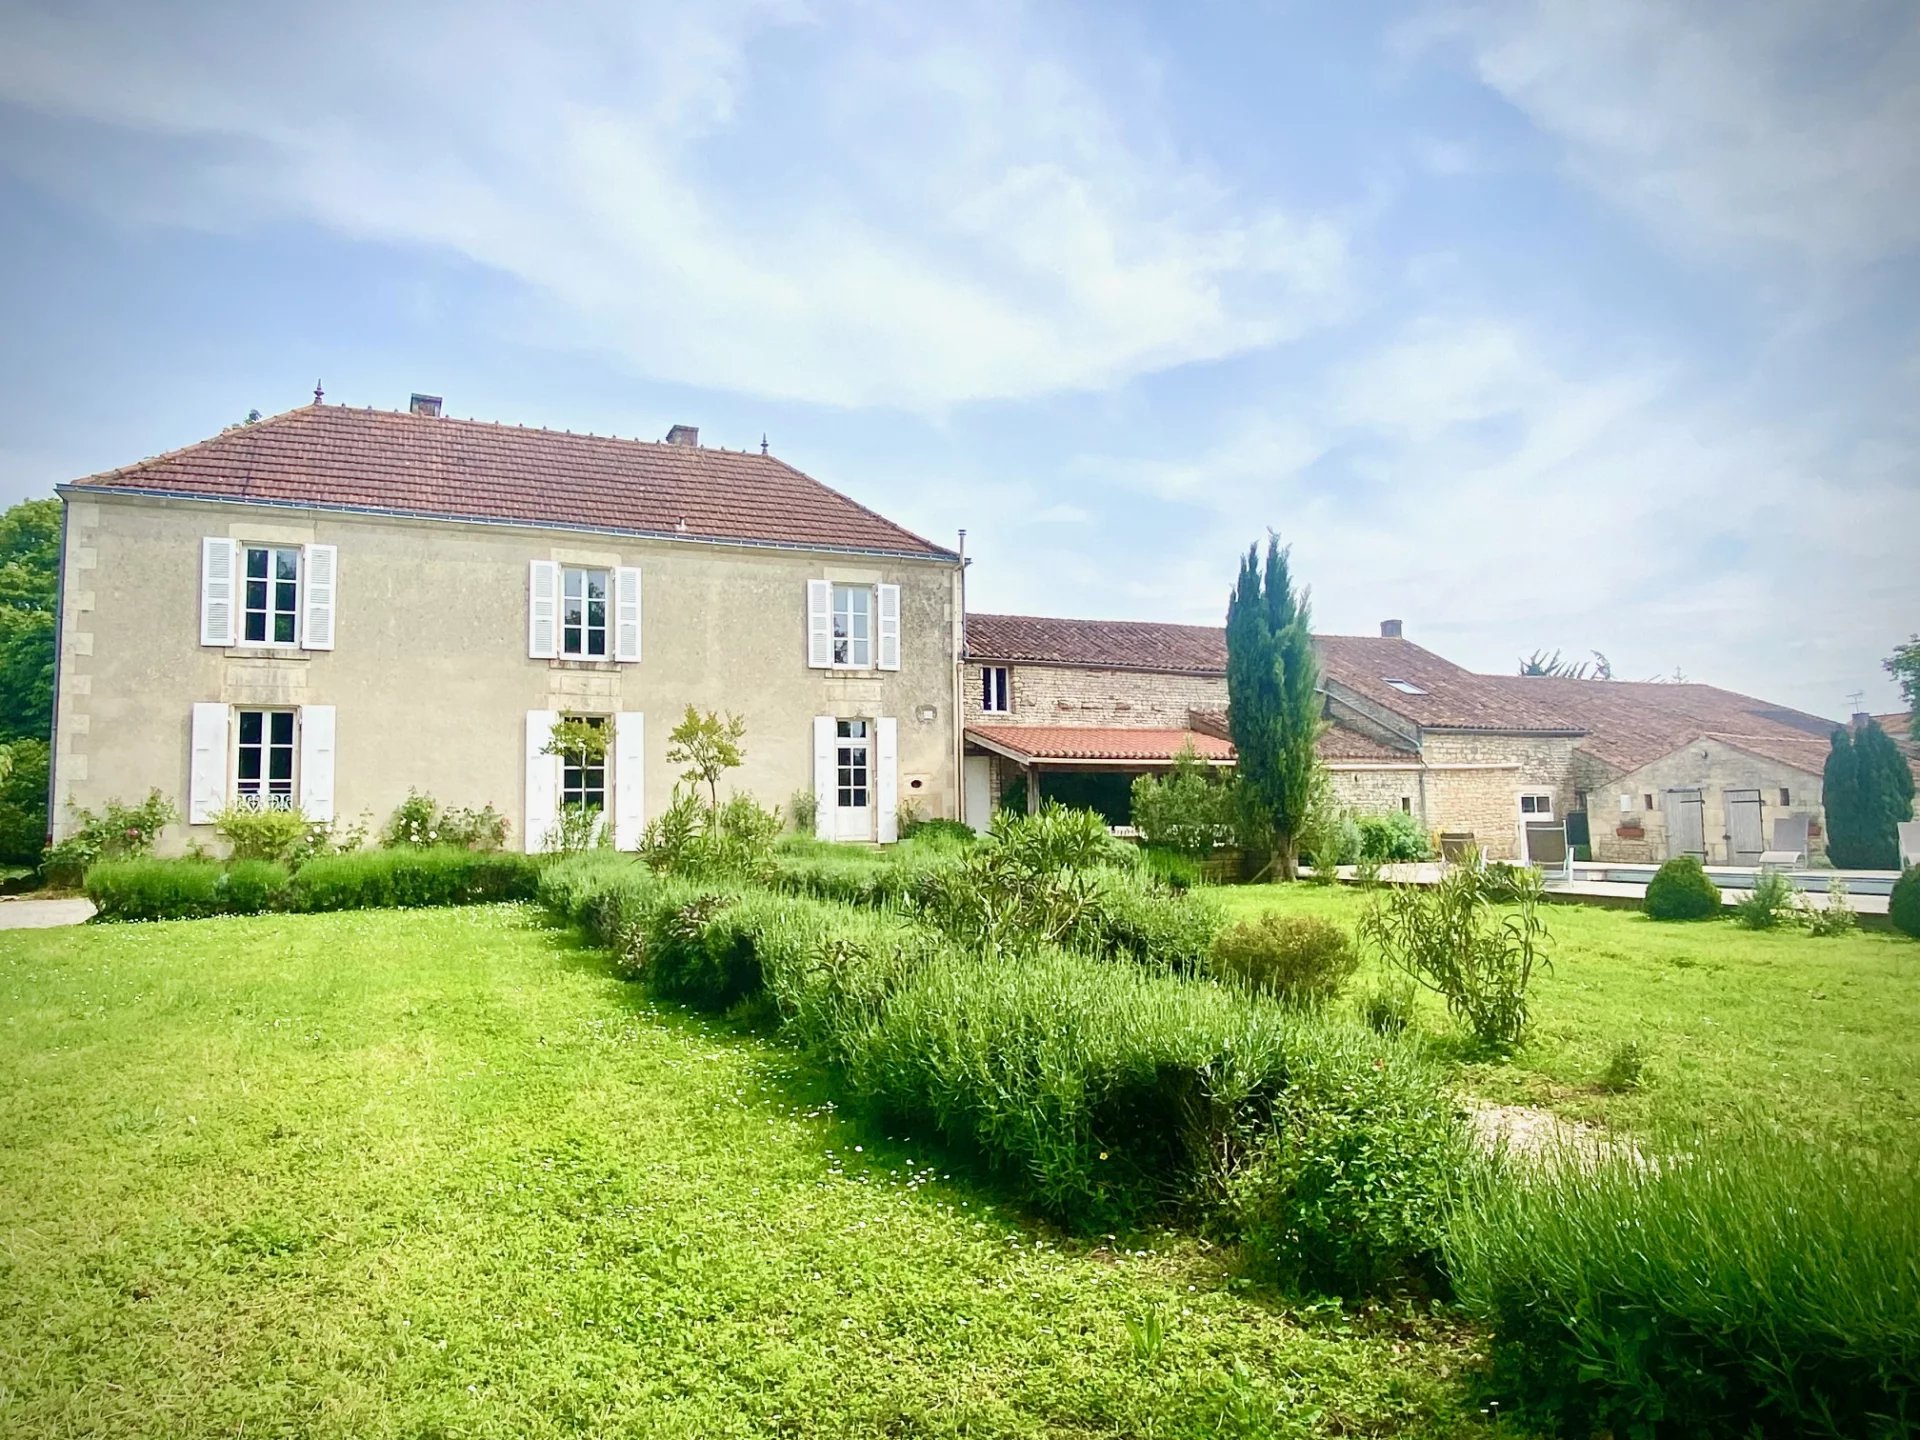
x: 318, y: 393
x: 1857, y: 699
x: 763, y: 442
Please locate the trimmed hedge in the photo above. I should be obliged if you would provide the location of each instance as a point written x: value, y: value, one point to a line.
x: 407, y: 878
x: 1105, y: 1094
x: 186, y: 889
x: 1680, y: 890
x: 1749, y: 1284
x: 1903, y: 905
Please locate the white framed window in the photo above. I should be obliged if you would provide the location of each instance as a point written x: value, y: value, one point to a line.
x: 1539, y: 806
x: 584, y: 785
x: 270, y: 610
x: 1405, y: 687
x: 853, y: 627
x: 995, y: 698
x: 853, y: 765
x: 584, y: 597
x: 263, y: 759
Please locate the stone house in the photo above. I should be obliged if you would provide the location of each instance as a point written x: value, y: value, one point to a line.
x: 333, y: 606
x: 1679, y: 769
x: 1077, y: 708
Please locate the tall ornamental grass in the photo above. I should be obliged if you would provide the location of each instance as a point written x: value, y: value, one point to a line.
x: 1746, y: 1285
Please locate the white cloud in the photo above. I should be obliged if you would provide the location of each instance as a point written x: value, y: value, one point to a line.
x: 1776, y: 125
x: 1609, y: 510
x: 747, y: 197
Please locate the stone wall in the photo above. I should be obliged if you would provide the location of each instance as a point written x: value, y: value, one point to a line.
x: 1071, y: 695
x: 1713, y: 768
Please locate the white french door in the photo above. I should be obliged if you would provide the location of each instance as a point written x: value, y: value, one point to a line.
x: 853, y: 780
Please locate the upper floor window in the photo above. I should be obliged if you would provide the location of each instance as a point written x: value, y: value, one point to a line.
x: 263, y: 760
x: 583, y: 613
x: 994, y: 697
x: 852, y: 627
x: 271, y: 614
x: 279, y: 595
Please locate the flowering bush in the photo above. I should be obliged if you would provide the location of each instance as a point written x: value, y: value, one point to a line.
x: 118, y: 832
x: 418, y: 822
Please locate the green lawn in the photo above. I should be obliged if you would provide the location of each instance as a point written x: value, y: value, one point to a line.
x: 1822, y: 1035
x: 436, y: 1173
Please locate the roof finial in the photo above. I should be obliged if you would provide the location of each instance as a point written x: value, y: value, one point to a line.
x: 318, y: 393
x: 763, y: 442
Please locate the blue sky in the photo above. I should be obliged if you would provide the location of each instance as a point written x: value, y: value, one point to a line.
x: 1534, y: 324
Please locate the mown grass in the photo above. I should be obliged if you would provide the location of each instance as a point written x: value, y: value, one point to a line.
x: 1820, y: 1035
x: 435, y: 1173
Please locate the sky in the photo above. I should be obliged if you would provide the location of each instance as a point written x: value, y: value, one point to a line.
x: 1535, y: 324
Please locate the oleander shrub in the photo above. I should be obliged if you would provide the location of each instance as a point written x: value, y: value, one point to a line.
x: 1680, y: 890
x: 1903, y: 905
x: 409, y: 877
x: 1774, y: 901
x: 1475, y: 938
x: 702, y: 949
x: 1745, y: 1284
x: 1365, y: 1158
x: 148, y: 889
x: 1300, y: 960
x: 1103, y: 1093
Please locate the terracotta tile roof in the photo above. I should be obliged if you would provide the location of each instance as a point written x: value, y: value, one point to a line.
x: 1100, y: 644
x: 379, y: 460
x: 1099, y: 742
x: 1449, y: 697
x: 1336, y: 742
x: 1630, y: 723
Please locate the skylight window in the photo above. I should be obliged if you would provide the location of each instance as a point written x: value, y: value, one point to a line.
x: 1405, y: 687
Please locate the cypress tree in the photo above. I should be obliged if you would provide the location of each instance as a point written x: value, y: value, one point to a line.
x: 1867, y: 789
x: 1273, y: 705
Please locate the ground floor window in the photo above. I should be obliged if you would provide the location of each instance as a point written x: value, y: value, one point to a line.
x: 1540, y: 805
x: 853, y: 770
x: 583, y: 778
x: 263, y: 760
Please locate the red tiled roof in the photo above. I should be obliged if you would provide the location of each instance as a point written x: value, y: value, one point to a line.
x: 1336, y: 742
x: 1100, y: 644
x: 1450, y: 698
x: 1098, y: 742
x: 379, y: 460
x: 1630, y: 723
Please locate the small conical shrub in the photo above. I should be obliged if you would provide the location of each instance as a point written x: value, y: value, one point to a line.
x: 1682, y: 891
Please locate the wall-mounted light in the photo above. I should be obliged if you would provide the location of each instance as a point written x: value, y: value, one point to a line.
x: 928, y: 714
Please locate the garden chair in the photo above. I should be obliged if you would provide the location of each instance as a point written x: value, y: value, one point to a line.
x: 1789, y: 844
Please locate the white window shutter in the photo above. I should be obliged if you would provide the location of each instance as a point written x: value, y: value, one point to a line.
x: 316, y: 761
x: 629, y: 776
x: 820, y: 624
x: 207, y: 771
x: 319, y: 569
x: 626, y: 614
x: 825, y: 789
x: 543, y: 609
x: 886, y: 777
x: 543, y: 781
x: 219, y: 582
x: 889, y: 627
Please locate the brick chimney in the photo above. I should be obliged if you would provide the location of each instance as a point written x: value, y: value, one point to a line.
x: 688, y: 435
x: 1389, y: 629
x: 425, y: 405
